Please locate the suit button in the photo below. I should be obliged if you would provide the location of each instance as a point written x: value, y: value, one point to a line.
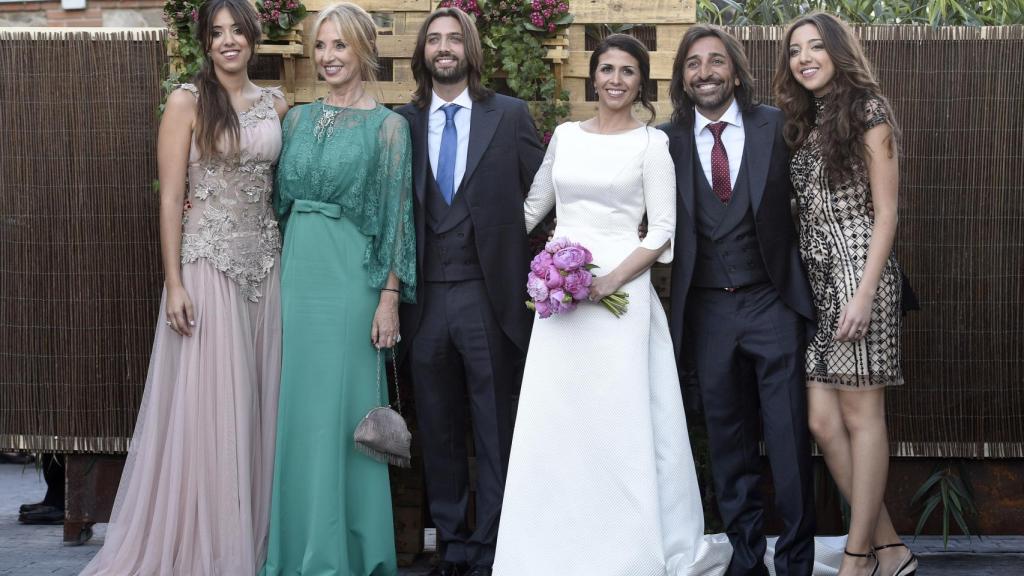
x: 466, y: 262
x: 446, y: 262
x: 719, y: 241
x: 732, y: 268
x: 441, y: 236
x: 461, y: 235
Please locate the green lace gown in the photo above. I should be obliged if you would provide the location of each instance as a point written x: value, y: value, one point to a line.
x: 343, y: 198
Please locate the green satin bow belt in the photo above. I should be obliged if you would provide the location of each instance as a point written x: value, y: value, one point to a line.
x: 325, y: 208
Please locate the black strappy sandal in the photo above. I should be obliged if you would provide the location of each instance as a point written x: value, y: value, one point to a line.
x: 907, y: 567
x: 874, y: 571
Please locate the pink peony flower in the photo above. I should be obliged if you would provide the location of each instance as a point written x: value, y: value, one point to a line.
x: 570, y: 258
x: 543, y: 308
x: 539, y: 264
x: 554, y: 278
x: 536, y: 288
x: 557, y: 244
x: 578, y: 283
x: 561, y: 302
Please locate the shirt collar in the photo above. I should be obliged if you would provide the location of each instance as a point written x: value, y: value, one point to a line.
x: 731, y: 116
x: 462, y: 99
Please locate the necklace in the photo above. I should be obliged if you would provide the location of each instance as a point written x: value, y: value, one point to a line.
x: 324, y: 126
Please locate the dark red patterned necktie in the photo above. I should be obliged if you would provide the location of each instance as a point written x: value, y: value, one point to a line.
x: 720, y: 180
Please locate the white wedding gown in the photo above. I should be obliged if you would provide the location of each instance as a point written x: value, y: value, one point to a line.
x: 601, y: 480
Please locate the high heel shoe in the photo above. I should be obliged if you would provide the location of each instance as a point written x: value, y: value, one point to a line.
x: 874, y: 571
x: 908, y: 566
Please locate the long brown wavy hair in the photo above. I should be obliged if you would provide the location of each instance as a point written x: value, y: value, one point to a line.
x: 216, y: 118
x: 842, y: 123
x: 682, y: 104
x: 474, y: 58
x: 636, y: 49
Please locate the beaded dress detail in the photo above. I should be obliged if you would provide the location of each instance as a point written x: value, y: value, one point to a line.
x: 231, y: 221
x: 836, y: 222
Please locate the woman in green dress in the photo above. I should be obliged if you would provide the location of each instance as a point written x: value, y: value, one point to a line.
x: 344, y: 202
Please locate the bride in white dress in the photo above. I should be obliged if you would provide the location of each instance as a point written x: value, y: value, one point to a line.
x: 601, y: 480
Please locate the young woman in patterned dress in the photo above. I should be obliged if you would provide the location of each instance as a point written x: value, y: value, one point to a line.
x: 194, y: 497
x: 845, y: 172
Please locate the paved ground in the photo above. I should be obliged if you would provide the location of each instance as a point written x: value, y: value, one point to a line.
x: 38, y: 550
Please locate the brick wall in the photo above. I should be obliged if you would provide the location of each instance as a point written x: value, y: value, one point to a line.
x: 97, y: 13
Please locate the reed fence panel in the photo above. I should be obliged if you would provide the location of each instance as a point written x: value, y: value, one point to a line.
x: 79, y: 262
x: 79, y: 257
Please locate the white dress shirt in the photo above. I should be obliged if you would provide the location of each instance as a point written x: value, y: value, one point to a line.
x: 732, y: 138
x: 435, y: 127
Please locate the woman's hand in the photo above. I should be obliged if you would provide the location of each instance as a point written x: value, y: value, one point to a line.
x: 603, y: 286
x: 855, y: 319
x: 384, y: 332
x: 180, y: 315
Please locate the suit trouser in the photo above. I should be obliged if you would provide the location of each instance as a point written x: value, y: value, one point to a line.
x: 459, y: 349
x: 749, y: 354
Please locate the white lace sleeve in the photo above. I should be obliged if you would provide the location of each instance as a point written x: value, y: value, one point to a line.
x: 541, y: 198
x: 659, y: 195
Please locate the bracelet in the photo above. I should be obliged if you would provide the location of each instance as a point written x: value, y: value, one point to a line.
x: 395, y: 290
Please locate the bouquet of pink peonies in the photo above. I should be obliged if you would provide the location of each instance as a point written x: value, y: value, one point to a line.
x: 560, y: 277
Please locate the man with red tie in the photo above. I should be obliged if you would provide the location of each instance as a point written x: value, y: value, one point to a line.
x: 740, y: 299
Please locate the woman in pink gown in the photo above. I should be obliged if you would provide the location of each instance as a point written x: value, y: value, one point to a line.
x: 195, y: 491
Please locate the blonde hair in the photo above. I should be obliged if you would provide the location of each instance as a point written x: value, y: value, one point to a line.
x: 356, y: 27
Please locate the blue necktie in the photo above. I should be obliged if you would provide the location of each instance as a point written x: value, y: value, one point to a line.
x: 446, y: 159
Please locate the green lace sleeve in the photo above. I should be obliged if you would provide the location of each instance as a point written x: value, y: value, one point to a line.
x: 393, y: 248
x: 282, y: 203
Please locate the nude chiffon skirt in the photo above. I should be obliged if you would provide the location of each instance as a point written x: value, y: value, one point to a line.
x: 195, y: 492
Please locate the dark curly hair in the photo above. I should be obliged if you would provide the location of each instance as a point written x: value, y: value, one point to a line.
x: 682, y: 104
x: 842, y: 123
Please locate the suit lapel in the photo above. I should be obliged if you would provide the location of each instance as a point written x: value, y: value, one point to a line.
x: 684, y: 170
x: 483, y: 123
x: 421, y: 162
x: 757, y: 148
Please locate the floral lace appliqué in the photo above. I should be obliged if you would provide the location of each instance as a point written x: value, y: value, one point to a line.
x: 231, y: 222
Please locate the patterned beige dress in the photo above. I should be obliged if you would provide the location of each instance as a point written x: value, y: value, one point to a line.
x: 836, y: 222
x: 194, y: 497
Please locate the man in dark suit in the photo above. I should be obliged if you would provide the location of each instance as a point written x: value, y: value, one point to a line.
x: 740, y: 298
x: 474, y: 156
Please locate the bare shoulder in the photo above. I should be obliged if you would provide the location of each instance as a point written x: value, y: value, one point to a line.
x: 181, y: 104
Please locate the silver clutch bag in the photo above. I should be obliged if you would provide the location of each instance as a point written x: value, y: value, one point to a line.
x: 383, y: 434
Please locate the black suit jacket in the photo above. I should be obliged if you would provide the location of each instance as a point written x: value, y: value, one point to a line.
x: 504, y: 154
x: 767, y: 159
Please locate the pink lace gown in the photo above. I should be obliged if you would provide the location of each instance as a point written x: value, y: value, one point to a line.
x: 195, y: 493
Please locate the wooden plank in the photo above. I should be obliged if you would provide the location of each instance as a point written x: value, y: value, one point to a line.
x: 670, y: 35
x: 396, y: 46
x: 376, y: 5
x: 577, y: 36
x: 578, y: 65
x: 633, y: 12
x: 292, y: 49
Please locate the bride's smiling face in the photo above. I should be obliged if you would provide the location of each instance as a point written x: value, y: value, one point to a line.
x: 617, y: 79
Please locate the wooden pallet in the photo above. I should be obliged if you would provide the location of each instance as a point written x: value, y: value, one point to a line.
x: 566, y: 51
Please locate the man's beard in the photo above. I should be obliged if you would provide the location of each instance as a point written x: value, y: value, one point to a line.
x: 714, y: 100
x: 449, y: 75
